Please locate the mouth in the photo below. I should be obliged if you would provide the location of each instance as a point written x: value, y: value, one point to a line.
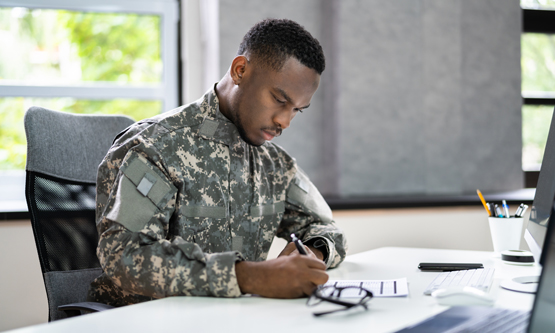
x: 268, y: 135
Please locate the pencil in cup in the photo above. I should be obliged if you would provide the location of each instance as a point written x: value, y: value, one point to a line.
x: 483, y: 202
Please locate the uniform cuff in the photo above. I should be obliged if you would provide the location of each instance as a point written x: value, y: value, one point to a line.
x: 222, y: 278
x: 325, y: 245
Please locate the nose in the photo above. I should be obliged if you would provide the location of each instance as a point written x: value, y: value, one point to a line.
x: 283, y: 118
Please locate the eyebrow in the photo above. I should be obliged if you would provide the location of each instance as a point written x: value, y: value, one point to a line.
x: 284, y: 94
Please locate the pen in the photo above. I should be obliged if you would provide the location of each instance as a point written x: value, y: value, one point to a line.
x: 519, y: 210
x: 483, y: 201
x: 505, y: 208
x: 498, y: 211
x: 492, y: 209
x: 298, y: 244
x: 523, y: 210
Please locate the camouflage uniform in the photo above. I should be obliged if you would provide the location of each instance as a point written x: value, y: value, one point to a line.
x: 181, y: 198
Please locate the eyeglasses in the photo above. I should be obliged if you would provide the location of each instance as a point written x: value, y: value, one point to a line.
x: 352, y: 297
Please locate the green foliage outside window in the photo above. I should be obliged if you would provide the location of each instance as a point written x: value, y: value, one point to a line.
x: 115, y: 47
x: 13, y: 148
x: 538, y: 75
x: 538, y: 62
x: 536, y: 120
x: 50, y: 47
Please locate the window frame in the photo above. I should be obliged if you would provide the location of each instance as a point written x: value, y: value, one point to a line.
x: 537, y: 21
x: 167, y: 91
x: 12, y: 182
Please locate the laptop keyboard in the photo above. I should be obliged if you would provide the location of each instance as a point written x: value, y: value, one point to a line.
x: 477, y: 319
x: 501, y: 321
x: 478, y: 278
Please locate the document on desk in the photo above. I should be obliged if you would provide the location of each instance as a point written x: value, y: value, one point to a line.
x: 379, y: 288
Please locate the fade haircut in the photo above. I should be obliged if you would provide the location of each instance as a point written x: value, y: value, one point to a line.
x: 272, y: 41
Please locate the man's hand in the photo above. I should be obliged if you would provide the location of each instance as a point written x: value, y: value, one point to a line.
x: 312, y: 252
x: 288, y: 276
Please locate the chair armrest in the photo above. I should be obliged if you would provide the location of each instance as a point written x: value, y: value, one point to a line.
x: 75, y: 309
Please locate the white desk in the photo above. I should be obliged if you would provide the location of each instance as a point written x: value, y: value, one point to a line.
x: 255, y: 314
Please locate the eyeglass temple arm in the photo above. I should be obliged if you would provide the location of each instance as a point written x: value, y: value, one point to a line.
x: 318, y: 314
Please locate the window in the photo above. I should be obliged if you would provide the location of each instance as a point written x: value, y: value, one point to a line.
x: 102, y: 56
x: 538, y: 82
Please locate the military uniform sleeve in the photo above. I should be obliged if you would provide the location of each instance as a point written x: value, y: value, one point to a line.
x: 134, y: 249
x: 308, y: 215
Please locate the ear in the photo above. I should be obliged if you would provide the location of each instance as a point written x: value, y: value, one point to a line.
x: 238, y: 69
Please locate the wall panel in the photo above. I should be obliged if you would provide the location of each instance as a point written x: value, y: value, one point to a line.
x: 428, y: 94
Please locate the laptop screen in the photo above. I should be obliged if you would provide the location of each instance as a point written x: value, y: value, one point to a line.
x: 543, y: 319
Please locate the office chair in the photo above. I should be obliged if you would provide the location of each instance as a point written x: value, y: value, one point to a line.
x: 63, y: 154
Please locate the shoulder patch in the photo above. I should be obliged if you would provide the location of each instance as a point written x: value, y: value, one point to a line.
x: 141, y: 191
x: 148, y: 179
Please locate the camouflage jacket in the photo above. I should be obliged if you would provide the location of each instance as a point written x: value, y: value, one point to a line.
x: 181, y: 198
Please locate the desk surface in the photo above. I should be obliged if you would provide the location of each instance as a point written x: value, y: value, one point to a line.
x: 253, y: 314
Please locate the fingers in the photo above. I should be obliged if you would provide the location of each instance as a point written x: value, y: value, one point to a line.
x: 309, y: 288
x: 289, y: 248
x: 313, y: 262
x: 290, y: 276
x: 318, y: 277
x: 315, y: 270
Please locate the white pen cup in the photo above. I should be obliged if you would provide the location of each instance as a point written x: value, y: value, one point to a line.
x: 505, y: 233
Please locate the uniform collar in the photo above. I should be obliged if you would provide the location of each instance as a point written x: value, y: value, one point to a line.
x: 215, y: 126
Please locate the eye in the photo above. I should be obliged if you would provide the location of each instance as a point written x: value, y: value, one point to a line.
x: 279, y: 101
x: 299, y: 110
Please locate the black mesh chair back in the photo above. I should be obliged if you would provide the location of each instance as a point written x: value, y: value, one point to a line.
x: 63, y: 211
x: 63, y: 154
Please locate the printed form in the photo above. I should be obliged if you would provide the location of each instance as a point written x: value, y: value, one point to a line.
x: 379, y: 288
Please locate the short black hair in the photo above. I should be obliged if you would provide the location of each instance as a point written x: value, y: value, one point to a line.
x: 272, y: 41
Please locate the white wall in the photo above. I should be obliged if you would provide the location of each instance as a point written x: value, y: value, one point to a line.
x: 22, y: 295
x: 462, y: 228
x: 23, y: 299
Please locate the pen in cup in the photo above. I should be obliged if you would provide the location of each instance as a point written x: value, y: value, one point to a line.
x: 492, y: 209
x: 498, y: 211
x: 506, y: 209
x: 524, y: 208
x: 519, y: 210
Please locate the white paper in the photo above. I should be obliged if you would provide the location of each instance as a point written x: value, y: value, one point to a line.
x: 379, y: 288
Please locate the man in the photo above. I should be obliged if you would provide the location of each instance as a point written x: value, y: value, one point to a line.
x: 188, y: 202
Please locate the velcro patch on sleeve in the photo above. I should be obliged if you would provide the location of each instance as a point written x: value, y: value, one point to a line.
x: 150, y: 181
x: 130, y: 208
x: 141, y: 191
x: 145, y: 185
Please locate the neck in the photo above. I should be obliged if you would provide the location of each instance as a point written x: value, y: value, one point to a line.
x: 223, y: 91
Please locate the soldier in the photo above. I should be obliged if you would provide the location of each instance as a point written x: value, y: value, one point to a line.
x: 188, y: 202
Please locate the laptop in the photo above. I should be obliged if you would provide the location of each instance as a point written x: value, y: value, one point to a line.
x: 474, y: 319
x: 540, y: 319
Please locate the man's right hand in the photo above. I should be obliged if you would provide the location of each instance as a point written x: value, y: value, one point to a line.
x: 289, y: 276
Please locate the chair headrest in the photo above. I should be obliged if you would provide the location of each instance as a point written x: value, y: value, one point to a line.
x: 69, y: 146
